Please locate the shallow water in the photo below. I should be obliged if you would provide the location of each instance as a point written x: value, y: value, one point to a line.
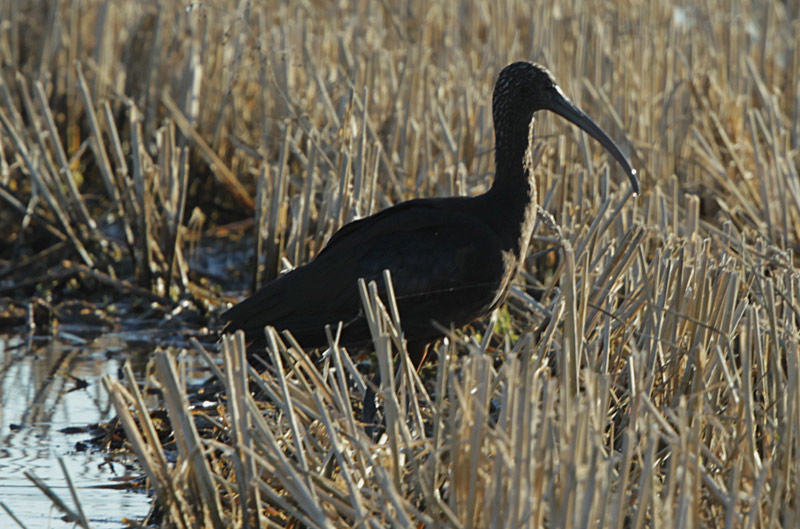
x: 41, y: 394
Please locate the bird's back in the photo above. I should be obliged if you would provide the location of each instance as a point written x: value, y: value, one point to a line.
x: 447, y: 267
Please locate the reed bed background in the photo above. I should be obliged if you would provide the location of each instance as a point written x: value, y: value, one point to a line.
x: 644, y: 371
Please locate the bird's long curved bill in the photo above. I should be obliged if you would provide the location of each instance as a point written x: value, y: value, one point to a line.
x: 564, y: 108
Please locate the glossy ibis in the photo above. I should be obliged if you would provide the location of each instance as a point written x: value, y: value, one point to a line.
x: 452, y: 260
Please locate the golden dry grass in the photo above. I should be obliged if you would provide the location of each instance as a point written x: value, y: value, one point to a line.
x: 664, y: 390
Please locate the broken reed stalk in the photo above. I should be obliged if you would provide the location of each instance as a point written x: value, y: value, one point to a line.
x: 76, y: 516
x: 675, y: 320
x: 525, y: 457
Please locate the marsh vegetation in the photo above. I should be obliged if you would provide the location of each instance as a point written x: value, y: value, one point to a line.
x: 162, y: 159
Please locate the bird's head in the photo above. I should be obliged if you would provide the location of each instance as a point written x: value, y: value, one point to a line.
x: 523, y: 88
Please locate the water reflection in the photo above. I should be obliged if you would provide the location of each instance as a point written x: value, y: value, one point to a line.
x: 45, y: 388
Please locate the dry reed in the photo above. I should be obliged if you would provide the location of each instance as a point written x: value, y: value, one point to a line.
x: 663, y: 390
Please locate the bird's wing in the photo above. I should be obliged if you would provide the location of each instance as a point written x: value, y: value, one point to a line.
x: 446, y: 265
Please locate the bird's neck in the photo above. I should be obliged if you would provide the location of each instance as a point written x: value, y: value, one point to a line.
x: 512, y: 196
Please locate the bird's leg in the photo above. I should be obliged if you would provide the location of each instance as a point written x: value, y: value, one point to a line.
x: 369, y: 410
x: 417, y: 352
x: 372, y: 422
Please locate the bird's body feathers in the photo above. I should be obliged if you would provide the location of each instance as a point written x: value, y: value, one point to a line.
x: 448, y: 267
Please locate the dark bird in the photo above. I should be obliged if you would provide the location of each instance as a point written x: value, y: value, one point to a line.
x: 452, y: 260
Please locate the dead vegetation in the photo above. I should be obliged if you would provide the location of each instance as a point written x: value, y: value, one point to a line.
x: 663, y: 391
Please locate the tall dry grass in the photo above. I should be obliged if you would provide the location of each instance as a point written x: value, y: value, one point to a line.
x: 662, y: 392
